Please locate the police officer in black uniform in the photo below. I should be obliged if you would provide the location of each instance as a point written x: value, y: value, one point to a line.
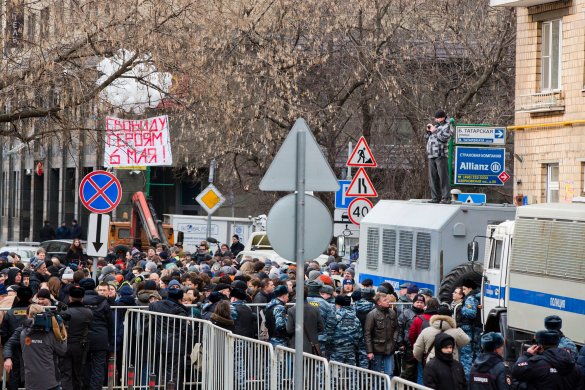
x: 488, y: 370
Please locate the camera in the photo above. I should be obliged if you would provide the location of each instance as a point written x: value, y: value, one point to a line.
x: 45, y: 320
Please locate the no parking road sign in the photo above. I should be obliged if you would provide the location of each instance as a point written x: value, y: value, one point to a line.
x: 100, y: 192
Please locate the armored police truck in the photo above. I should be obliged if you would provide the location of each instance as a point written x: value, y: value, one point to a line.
x: 426, y: 244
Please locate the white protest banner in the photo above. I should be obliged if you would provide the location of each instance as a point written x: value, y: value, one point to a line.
x: 132, y: 142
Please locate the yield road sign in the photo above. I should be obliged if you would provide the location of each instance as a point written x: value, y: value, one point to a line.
x: 210, y: 199
x: 479, y: 166
x: 361, y: 186
x: 358, y: 209
x: 97, y: 235
x: 341, y: 200
x: 480, y: 135
x: 281, y: 175
x: 472, y: 198
x: 362, y: 156
x: 100, y: 192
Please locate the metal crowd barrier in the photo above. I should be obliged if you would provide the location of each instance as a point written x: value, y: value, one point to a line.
x: 398, y: 383
x: 347, y: 377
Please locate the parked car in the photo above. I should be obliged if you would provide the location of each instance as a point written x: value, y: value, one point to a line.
x: 59, y: 248
x: 25, y: 250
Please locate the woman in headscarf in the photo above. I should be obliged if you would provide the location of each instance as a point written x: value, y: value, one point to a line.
x: 443, y: 372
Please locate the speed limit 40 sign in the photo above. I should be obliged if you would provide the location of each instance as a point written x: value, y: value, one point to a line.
x: 358, y: 209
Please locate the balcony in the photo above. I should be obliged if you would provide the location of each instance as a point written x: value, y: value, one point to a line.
x: 519, y: 3
x: 541, y: 102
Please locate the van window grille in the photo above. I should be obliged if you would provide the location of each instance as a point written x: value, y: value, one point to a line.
x: 389, y: 246
x: 423, y: 250
x: 405, y: 248
x: 373, y: 248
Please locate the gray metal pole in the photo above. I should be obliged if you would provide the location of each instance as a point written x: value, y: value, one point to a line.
x: 300, y: 258
x: 211, y: 174
x: 349, y: 150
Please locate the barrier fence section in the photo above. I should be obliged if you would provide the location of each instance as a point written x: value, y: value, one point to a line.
x: 402, y: 384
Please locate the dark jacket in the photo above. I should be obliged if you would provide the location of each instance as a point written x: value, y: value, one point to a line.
x: 77, y: 320
x: 62, y: 232
x: 75, y: 231
x: 47, y: 233
x: 554, y: 369
x: 381, y: 331
x: 443, y: 372
x: 35, y: 281
x: 172, y: 333
x: 312, y: 324
x: 236, y: 248
x: 75, y: 256
x: 581, y: 361
x: 12, y: 320
x: 245, y: 320
x: 489, y: 372
x: 102, y: 326
x: 38, y: 355
x: 261, y: 297
x: 222, y: 322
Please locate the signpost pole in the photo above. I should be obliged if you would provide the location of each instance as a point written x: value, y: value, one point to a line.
x: 211, y: 173
x: 300, y: 256
x: 349, y: 150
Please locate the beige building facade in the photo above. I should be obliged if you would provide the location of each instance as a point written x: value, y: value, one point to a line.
x: 549, y: 125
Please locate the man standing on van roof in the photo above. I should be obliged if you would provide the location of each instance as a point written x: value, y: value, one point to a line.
x: 438, y: 136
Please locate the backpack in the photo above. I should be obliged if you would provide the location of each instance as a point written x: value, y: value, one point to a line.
x: 263, y: 335
x: 425, y: 322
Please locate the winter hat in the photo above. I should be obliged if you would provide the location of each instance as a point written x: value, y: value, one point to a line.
x: 175, y: 294
x: 549, y: 338
x: 419, y: 297
x: 348, y: 281
x: 239, y: 284
x: 367, y: 292
x: 383, y: 290
x: 280, y: 291
x: 38, y: 264
x: 150, y: 285
x: 444, y: 310
x: 553, y: 323
x: 356, y: 295
x: 109, y: 278
x: 426, y: 291
x: 150, y: 267
x: 238, y: 294
x: 351, y: 271
x: 24, y: 294
x: 412, y: 289
x: 174, y: 284
x: 367, y: 283
x: 326, y: 279
x: 274, y: 273
x: 314, y: 286
x: 343, y: 300
x: 216, y: 296
x: 76, y: 292
x: 67, y: 274
x: 44, y: 293
x: 491, y: 341
x: 334, y: 267
x: 108, y: 269
x: 404, y: 285
x: 314, y: 274
x: 327, y: 289
x: 221, y: 286
x: 87, y: 284
x: 469, y: 283
x: 440, y: 114
x: 163, y: 255
x: 126, y: 291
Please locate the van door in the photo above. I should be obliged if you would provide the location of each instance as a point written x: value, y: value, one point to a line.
x: 494, y: 283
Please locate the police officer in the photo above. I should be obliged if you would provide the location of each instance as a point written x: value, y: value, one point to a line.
x: 544, y: 366
x: 344, y: 333
x: 325, y: 308
x: 276, y: 316
x: 77, y: 319
x: 488, y: 370
x: 471, y: 324
x: 556, y: 323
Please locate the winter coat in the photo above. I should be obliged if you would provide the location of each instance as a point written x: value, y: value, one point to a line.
x: 261, y: 297
x: 75, y: 231
x: 77, y: 320
x: 222, y: 322
x: 416, y: 326
x: 12, y: 320
x: 362, y: 308
x: 75, y: 256
x: 581, y: 361
x: 47, y: 233
x: 62, y: 232
x: 438, y: 142
x: 312, y: 324
x: 439, y: 324
x: 245, y: 320
x: 143, y: 297
x: 381, y: 331
x: 405, y: 320
x: 102, y: 326
x: 236, y: 248
x: 35, y: 281
x: 172, y: 336
x: 554, y: 369
x: 443, y: 372
x: 489, y: 373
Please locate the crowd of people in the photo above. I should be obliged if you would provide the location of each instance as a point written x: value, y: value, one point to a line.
x: 406, y: 332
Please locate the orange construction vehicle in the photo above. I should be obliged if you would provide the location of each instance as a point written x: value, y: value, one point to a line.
x: 143, y: 230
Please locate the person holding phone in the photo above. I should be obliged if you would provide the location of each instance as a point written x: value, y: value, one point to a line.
x: 437, y: 137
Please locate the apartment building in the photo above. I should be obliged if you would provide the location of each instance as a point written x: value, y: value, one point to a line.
x: 549, y: 125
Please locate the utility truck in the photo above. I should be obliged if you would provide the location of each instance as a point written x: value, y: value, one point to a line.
x: 534, y: 266
x: 423, y: 243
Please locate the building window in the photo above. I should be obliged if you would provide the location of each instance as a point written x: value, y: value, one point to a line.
x: 552, y: 183
x: 551, y: 55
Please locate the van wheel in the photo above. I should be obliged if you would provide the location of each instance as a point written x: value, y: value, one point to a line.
x: 454, y: 278
x: 121, y: 248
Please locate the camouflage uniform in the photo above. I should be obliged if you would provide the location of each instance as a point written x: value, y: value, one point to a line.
x: 362, y: 308
x: 344, y: 336
x: 327, y: 310
x: 469, y: 324
x: 569, y: 345
x: 276, y: 317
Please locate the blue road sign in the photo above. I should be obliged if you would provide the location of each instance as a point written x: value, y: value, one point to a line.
x: 472, y: 198
x: 100, y: 192
x: 479, y: 166
x: 480, y: 135
x: 342, y: 201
